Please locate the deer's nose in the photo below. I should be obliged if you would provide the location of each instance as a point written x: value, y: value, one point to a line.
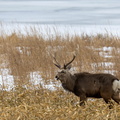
x: 56, y: 77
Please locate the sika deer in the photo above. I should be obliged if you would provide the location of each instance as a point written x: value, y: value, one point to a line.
x: 86, y: 85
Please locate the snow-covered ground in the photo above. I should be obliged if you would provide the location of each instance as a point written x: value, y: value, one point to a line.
x: 7, y: 81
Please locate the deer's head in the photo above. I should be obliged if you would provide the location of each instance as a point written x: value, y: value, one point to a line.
x: 63, y: 74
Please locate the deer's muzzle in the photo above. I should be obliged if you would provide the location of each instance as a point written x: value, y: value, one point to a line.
x: 57, y: 77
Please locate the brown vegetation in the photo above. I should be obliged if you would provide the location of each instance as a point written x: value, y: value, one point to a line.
x: 26, y: 54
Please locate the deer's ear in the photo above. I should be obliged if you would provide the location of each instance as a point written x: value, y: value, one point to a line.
x: 69, y: 67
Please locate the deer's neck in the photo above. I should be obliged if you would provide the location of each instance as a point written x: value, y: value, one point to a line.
x: 70, y: 83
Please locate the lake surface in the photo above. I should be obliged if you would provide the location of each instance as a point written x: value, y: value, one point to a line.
x: 83, y: 15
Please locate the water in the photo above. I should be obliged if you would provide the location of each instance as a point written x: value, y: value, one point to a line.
x: 82, y: 15
x: 80, y: 12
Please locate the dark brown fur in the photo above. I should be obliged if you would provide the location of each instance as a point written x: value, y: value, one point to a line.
x: 86, y: 85
x: 94, y: 85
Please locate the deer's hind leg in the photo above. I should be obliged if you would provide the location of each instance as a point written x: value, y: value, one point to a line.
x: 83, y: 98
x: 116, y: 97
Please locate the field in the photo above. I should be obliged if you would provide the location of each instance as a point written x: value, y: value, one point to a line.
x: 28, y: 58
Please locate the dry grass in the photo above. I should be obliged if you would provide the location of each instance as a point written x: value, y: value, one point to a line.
x: 25, y: 54
x: 41, y: 105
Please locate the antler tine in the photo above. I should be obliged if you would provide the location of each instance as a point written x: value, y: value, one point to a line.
x: 71, y: 60
x: 58, y: 65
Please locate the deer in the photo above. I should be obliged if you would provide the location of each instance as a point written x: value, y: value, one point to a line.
x: 89, y: 85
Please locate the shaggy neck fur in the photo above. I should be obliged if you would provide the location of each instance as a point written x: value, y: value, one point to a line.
x: 70, y: 83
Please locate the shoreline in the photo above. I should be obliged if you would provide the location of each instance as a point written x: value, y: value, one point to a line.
x: 52, y: 29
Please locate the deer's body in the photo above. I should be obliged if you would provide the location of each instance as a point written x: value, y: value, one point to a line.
x: 86, y: 85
